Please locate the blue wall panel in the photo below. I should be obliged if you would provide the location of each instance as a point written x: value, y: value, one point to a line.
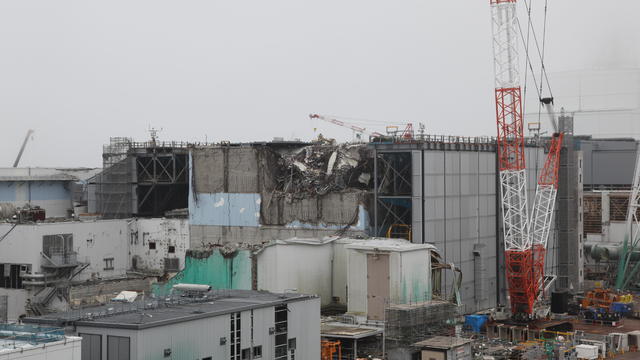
x: 7, y: 191
x: 224, y: 209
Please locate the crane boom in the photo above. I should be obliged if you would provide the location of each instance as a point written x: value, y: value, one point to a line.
x: 24, y: 144
x: 511, y: 160
x: 357, y: 129
x: 542, y: 212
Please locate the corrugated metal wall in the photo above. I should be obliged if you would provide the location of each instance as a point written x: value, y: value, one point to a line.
x: 459, y: 212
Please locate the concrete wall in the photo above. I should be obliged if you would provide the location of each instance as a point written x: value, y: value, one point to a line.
x: 164, y: 233
x: 53, y: 196
x: 608, y: 162
x: 211, y: 267
x: 204, y: 236
x: 93, y: 241
x: 67, y: 349
x: 232, y: 200
x: 310, y: 266
x: 16, y: 299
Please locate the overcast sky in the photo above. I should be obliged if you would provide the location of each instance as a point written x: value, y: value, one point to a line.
x: 79, y: 72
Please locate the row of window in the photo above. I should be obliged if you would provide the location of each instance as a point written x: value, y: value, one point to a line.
x: 118, y: 347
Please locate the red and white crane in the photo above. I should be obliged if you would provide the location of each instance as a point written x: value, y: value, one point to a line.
x: 542, y: 213
x: 525, y: 238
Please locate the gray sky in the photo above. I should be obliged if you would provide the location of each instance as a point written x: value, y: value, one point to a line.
x: 79, y: 72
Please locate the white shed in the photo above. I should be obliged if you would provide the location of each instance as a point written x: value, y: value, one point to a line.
x: 382, y: 271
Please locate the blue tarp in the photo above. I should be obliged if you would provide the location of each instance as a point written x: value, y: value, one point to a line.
x: 476, y: 322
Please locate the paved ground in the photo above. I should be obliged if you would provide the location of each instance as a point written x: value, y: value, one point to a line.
x: 626, y: 326
x: 628, y: 356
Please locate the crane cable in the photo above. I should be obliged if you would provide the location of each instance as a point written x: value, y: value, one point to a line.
x: 541, y: 53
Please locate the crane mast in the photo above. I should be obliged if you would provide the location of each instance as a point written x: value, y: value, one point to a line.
x: 511, y: 160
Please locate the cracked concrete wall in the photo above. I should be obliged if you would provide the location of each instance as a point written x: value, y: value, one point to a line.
x: 232, y: 200
x: 170, y: 239
x: 203, y: 236
x: 335, y: 208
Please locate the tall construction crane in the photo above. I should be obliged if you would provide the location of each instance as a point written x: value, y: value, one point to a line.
x: 525, y: 238
x: 24, y: 144
x: 511, y: 160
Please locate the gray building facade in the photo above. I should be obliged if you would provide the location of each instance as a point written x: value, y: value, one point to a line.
x: 445, y: 191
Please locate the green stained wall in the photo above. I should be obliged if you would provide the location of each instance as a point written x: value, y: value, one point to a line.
x: 220, y: 272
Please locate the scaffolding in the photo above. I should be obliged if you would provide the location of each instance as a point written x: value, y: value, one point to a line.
x: 142, y: 178
x: 410, y: 323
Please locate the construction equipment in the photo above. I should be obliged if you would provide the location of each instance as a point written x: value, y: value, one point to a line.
x: 393, y: 131
x: 330, y: 350
x: 511, y: 160
x: 525, y: 238
x: 357, y: 130
x: 399, y: 231
x: 542, y: 214
x: 24, y: 144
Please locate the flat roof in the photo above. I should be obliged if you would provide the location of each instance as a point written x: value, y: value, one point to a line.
x: 150, y: 313
x: 47, y: 174
x: 384, y: 244
x: 442, y: 342
x: 347, y: 331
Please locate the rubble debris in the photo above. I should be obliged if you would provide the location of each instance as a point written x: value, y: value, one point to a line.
x: 319, y: 169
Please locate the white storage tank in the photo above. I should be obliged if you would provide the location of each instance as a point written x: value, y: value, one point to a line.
x: 387, y: 271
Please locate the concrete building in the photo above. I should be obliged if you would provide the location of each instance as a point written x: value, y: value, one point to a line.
x: 255, y: 193
x: 54, y: 265
x: 215, y: 325
x: 37, y: 343
x: 445, y: 191
x: 57, y: 191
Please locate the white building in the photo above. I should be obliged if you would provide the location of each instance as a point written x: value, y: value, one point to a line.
x: 33, y: 343
x: 382, y: 272
x: 308, y: 266
x: 223, y: 324
x: 41, y: 257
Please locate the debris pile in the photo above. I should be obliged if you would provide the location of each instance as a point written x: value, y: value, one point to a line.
x: 322, y: 168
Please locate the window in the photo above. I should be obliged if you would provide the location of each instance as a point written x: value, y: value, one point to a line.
x: 292, y: 343
x: 91, y: 347
x: 10, y: 275
x: 171, y: 264
x: 281, y: 314
x: 108, y: 264
x: 172, y: 249
x: 118, y: 348
x: 234, y: 336
x: 257, y: 352
x: 246, y: 354
x: 152, y: 245
x: 57, y: 244
x: 207, y: 358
